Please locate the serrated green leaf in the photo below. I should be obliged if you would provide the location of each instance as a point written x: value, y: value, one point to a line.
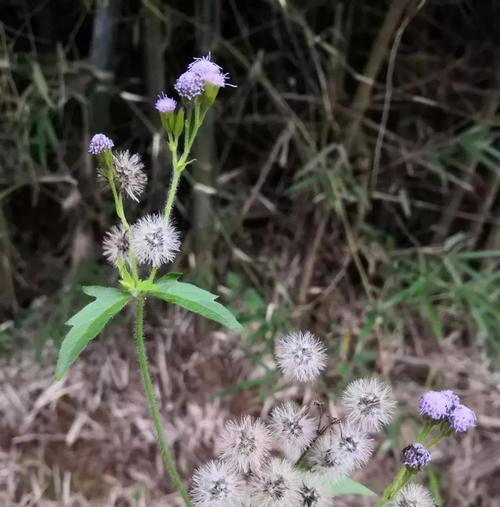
x: 195, y: 300
x: 88, y: 323
x: 348, y: 486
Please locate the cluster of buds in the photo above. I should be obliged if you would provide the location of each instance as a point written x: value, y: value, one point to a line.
x: 296, y: 456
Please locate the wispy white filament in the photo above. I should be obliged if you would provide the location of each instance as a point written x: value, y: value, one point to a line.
x: 341, y: 452
x: 154, y: 240
x: 369, y: 403
x: 115, y: 245
x: 300, y: 356
x: 413, y: 495
x: 277, y: 484
x: 245, y: 444
x: 293, y: 428
x: 315, y: 491
x: 217, y: 484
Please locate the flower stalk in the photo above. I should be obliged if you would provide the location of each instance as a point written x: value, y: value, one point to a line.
x: 153, y: 406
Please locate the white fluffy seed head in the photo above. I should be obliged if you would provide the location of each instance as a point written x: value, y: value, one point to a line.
x: 413, y: 495
x: 369, y: 404
x: 293, y: 428
x: 300, y: 356
x: 217, y: 484
x: 314, y: 491
x: 115, y: 245
x: 276, y: 485
x: 129, y: 176
x: 245, y: 444
x: 154, y: 240
x: 340, y: 453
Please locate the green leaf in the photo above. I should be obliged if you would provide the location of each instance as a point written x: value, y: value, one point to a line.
x: 88, y: 323
x: 195, y: 300
x: 349, y: 487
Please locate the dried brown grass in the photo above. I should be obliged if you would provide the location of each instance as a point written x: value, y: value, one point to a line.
x: 88, y: 440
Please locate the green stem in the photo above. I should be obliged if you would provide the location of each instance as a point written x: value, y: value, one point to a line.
x: 153, y: 407
x: 171, y: 193
x: 428, y: 425
x: 123, y: 219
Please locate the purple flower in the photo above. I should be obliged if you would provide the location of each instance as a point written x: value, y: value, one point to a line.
x: 437, y: 404
x: 462, y: 418
x: 99, y: 143
x: 189, y: 85
x: 165, y: 104
x: 204, y: 65
x: 209, y: 71
x: 415, y: 456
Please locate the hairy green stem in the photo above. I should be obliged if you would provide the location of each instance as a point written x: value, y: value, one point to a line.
x: 176, y: 176
x: 153, y: 407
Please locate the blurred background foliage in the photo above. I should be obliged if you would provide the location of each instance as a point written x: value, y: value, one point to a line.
x: 354, y: 169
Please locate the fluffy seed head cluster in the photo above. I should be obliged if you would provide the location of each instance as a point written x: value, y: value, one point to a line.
x: 115, y: 245
x: 300, y: 356
x: 129, y: 176
x: 413, y: 495
x: 189, y: 85
x: 154, y: 240
x: 165, y: 104
x: 293, y: 428
x: 369, y: 404
x: 216, y: 484
x: 462, y: 418
x: 339, y: 453
x: 99, y: 143
x: 276, y: 485
x: 437, y: 404
x: 245, y: 444
x: 415, y: 456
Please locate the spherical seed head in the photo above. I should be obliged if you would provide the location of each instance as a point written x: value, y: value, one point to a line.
x: 189, y: 85
x: 300, y: 356
x: 129, y: 176
x: 415, y: 456
x: 217, y: 484
x: 292, y: 427
x: 99, y: 143
x: 437, y: 404
x: 276, y: 485
x: 340, y: 453
x: 413, y: 495
x: 369, y: 404
x: 314, y: 491
x: 154, y: 240
x: 165, y: 104
x: 245, y: 444
x: 462, y: 418
x: 115, y: 245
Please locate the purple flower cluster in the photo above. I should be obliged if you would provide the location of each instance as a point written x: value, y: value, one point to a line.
x: 200, y: 71
x: 415, y: 456
x: 445, y: 405
x: 99, y: 143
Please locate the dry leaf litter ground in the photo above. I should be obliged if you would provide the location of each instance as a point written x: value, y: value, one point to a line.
x: 88, y: 440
